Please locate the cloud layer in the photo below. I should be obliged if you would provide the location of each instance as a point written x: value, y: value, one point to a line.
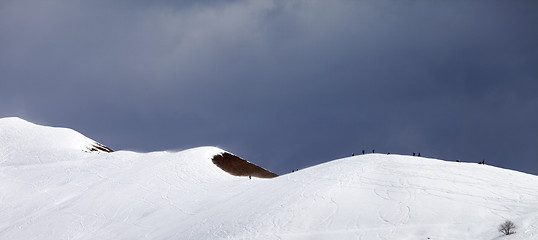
x: 286, y: 84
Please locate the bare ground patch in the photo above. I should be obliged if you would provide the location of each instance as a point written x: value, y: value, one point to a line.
x: 236, y: 166
x: 99, y: 147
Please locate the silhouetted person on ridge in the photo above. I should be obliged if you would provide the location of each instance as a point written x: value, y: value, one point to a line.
x: 419, y: 154
x: 373, y: 150
x: 414, y: 154
x: 363, y: 152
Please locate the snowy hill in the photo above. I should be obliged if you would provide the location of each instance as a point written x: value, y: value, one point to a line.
x: 54, y: 187
x: 22, y: 142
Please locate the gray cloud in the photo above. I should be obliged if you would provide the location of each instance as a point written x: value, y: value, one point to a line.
x: 287, y: 84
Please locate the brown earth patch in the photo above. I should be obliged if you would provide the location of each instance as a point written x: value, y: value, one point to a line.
x: 236, y: 166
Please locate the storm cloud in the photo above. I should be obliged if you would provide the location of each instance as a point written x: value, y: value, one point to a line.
x: 285, y: 84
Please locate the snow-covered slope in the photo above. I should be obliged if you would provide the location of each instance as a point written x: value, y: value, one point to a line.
x: 22, y: 142
x: 63, y: 191
x: 380, y: 197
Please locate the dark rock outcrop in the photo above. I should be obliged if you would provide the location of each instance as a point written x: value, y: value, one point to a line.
x: 236, y: 166
x: 99, y: 147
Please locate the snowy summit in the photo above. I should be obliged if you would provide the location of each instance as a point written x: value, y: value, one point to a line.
x: 58, y: 184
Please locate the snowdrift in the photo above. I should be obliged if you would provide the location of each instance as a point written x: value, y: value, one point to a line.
x: 54, y: 187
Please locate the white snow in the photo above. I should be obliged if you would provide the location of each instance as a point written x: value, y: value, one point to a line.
x: 22, y: 142
x: 51, y: 187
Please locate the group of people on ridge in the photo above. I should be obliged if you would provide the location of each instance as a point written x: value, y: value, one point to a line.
x: 414, y: 154
x: 373, y: 151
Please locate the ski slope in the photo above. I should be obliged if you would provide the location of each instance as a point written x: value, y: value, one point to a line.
x: 53, y: 187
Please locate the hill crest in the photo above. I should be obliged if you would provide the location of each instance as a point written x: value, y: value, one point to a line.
x: 63, y: 192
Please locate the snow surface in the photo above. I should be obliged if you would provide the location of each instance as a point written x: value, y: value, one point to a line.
x: 63, y: 191
x: 22, y: 142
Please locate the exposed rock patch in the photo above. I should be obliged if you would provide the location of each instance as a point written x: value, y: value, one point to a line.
x: 236, y: 166
x: 99, y: 147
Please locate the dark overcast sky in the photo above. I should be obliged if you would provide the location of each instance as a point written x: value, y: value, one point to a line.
x: 284, y: 84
